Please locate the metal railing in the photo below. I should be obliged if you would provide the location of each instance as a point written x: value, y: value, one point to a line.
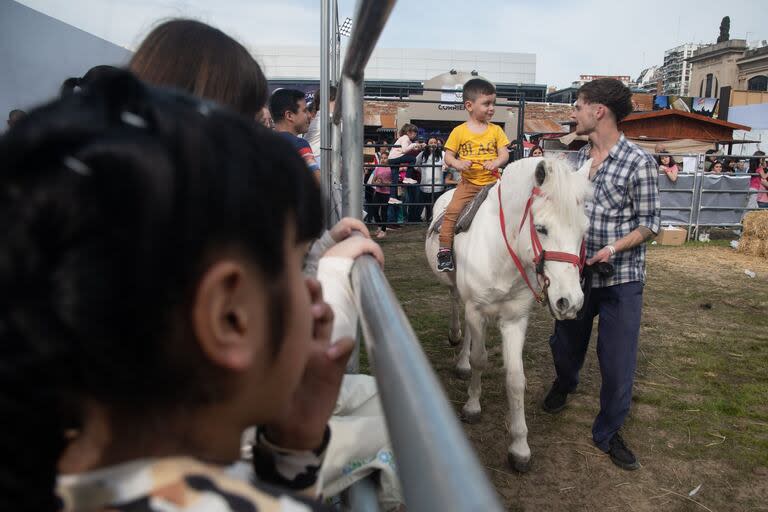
x: 437, y: 467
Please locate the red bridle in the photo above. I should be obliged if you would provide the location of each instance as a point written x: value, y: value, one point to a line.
x: 539, y: 254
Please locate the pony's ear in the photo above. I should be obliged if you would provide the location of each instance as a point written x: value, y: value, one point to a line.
x: 541, y: 172
x: 584, y: 169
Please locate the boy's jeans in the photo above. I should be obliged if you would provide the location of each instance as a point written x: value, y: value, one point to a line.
x: 465, y: 192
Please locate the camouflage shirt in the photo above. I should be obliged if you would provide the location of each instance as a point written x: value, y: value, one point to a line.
x: 286, y: 482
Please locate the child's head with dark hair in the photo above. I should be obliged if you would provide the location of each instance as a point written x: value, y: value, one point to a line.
x: 203, y: 61
x: 150, y: 266
x: 664, y: 158
x: 609, y: 92
x: 74, y: 84
x: 409, y: 129
x: 475, y: 87
x: 479, y: 98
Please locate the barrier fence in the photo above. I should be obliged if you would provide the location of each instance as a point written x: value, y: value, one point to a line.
x: 697, y: 199
x: 436, y: 465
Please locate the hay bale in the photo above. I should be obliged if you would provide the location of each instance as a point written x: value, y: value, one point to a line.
x: 750, y: 245
x: 764, y: 247
x: 756, y: 224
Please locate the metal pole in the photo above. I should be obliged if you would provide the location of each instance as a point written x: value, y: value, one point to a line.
x: 325, y: 124
x: 699, y: 169
x: 362, y: 496
x: 520, y: 129
x: 370, y: 18
x: 437, y: 466
x: 698, y: 203
x: 335, y: 43
x: 352, y: 147
x: 336, y: 172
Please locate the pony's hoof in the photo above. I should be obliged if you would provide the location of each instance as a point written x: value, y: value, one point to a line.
x: 462, y: 373
x: 470, y: 417
x: 521, y: 466
x: 454, y: 340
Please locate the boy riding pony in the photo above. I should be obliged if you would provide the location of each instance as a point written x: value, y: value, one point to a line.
x: 477, y: 149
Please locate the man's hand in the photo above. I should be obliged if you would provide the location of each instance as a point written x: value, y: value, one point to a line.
x: 490, y: 165
x: 602, y: 256
x: 342, y: 229
x: 303, y: 424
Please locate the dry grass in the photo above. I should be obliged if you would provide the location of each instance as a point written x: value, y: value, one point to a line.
x: 700, y: 414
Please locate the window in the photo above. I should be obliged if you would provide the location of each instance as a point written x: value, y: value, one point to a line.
x: 758, y: 83
x: 708, y: 91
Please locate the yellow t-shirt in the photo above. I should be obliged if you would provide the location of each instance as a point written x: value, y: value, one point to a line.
x: 478, y: 148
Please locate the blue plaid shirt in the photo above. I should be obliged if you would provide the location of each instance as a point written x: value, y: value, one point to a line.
x: 626, y: 196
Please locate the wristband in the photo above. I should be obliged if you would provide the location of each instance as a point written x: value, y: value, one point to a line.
x: 611, y: 248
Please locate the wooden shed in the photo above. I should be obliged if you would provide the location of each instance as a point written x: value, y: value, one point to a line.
x: 675, y: 124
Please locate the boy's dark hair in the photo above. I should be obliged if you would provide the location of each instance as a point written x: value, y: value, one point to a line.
x: 284, y: 100
x: 113, y: 203
x: 609, y: 92
x: 204, y: 61
x: 475, y: 87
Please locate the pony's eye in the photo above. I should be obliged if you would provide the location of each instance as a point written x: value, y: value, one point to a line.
x: 541, y: 229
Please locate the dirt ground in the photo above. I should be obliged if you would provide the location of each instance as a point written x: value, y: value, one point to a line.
x: 700, y: 405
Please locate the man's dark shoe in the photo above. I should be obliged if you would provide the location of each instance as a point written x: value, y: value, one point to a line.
x: 445, y: 260
x: 621, y: 455
x: 554, y: 402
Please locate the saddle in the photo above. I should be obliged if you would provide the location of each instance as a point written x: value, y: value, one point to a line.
x: 467, y: 213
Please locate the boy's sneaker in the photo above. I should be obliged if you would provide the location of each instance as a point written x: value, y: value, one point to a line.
x: 445, y: 260
x: 621, y: 455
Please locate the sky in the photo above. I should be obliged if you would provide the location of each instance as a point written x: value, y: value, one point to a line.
x: 600, y: 37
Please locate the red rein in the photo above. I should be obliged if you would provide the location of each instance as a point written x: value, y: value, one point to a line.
x: 539, y: 254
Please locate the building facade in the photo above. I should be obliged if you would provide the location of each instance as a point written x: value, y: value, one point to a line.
x: 716, y: 66
x: 395, y: 72
x: 403, y: 64
x: 569, y: 94
x: 649, y: 80
x: 676, y: 70
x: 752, y: 72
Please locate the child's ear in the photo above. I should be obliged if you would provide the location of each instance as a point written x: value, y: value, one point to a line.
x: 226, y: 315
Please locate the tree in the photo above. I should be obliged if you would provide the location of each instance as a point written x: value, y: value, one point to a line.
x: 725, y: 28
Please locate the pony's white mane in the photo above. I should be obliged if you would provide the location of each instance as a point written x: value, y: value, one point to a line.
x: 566, y: 189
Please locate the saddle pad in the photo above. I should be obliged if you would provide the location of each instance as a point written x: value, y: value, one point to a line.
x: 467, y: 214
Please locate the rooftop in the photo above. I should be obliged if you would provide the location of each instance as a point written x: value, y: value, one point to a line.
x: 671, y: 112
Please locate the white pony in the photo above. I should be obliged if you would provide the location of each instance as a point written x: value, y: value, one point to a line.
x: 489, y: 285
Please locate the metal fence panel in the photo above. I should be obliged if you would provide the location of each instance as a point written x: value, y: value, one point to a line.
x: 437, y: 466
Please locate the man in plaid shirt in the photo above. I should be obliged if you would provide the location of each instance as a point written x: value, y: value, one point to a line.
x: 624, y: 214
